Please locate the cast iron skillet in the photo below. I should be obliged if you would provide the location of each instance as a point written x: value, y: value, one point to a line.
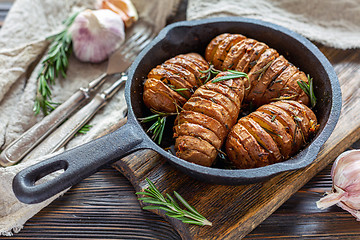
x: 184, y: 37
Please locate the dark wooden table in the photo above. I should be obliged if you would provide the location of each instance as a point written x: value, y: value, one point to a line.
x: 104, y: 205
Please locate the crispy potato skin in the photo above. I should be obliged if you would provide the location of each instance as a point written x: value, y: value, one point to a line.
x: 271, y: 76
x: 273, y: 133
x: 208, y: 112
x: 208, y: 115
x: 170, y: 84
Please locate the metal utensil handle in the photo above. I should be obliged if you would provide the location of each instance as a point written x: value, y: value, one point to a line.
x: 32, y: 137
x: 68, y: 129
x: 77, y: 163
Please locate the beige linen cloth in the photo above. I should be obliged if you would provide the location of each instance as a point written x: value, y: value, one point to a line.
x: 335, y: 23
x: 22, y: 43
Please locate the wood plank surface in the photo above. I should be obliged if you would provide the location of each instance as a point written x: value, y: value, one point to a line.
x: 237, y: 210
x: 104, y: 205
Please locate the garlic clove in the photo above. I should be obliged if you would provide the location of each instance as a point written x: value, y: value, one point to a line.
x: 96, y: 34
x: 345, y: 193
x: 124, y: 8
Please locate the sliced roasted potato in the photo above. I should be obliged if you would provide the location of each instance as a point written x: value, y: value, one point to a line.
x: 182, y: 72
x: 224, y: 47
x: 160, y: 97
x: 299, y: 116
x: 276, y: 131
x: 209, y: 108
x: 197, y: 130
x: 236, y: 53
x: 220, y: 99
x: 258, y: 154
x: 270, y: 74
x: 204, y: 120
x: 263, y: 138
x: 213, y: 45
x: 275, y: 87
x: 204, y: 154
x: 172, y: 80
x: 288, y: 122
x: 250, y: 57
x: 260, y: 67
x: 237, y: 154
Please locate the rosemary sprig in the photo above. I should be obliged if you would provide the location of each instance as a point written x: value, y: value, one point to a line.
x: 157, y: 128
x: 179, y: 90
x: 211, y: 71
x: 53, y: 65
x: 233, y: 74
x: 171, y: 207
x: 272, y: 133
x: 308, y: 88
x: 84, y: 129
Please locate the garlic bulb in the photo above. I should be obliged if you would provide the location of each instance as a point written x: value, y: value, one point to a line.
x: 124, y: 8
x: 345, y: 173
x: 96, y: 34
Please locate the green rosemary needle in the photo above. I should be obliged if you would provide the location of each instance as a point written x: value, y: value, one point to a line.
x: 158, y: 127
x: 308, y: 88
x: 233, y: 74
x: 171, y: 207
x: 84, y: 129
x: 55, y: 63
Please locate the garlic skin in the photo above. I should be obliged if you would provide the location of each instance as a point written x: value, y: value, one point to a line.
x: 96, y: 34
x: 345, y: 193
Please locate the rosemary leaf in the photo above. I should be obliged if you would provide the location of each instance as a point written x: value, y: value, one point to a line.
x: 84, y: 129
x: 273, y: 133
x: 170, y: 206
x: 52, y: 66
x: 182, y: 200
x: 308, y: 88
x: 158, y: 127
x: 233, y: 75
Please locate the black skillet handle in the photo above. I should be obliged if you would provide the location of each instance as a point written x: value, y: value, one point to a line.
x: 77, y: 163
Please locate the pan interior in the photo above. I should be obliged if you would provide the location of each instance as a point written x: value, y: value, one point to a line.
x: 186, y: 38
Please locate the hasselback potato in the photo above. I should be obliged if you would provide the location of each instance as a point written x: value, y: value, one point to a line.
x: 202, y: 126
x: 169, y: 85
x: 272, y: 133
x: 271, y: 77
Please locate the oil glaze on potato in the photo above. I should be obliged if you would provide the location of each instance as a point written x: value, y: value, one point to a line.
x: 169, y: 85
x: 215, y: 111
x: 273, y: 133
x: 264, y: 66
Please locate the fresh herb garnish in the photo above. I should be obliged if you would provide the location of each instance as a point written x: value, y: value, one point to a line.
x: 297, y: 121
x: 84, y: 129
x: 157, y: 128
x: 171, y: 207
x: 211, y: 71
x: 53, y: 65
x: 273, y: 118
x: 233, y: 74
x: 179, y: 90
x: 272, y: 133
x: 308, y: 88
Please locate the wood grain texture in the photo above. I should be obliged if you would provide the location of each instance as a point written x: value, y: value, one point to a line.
x: 237, y: 210
x: 104, y: 205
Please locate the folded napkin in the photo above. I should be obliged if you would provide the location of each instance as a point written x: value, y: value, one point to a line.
x: 332, y: 22
x: 22, y: 46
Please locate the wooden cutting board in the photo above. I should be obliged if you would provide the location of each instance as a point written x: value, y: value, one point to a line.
x: 237, y: 210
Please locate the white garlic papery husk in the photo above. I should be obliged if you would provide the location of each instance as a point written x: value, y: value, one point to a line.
x: 345, y: 193
x: 96, y: 34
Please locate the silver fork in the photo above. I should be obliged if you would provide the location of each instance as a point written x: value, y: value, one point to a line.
x: 139, y: 36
